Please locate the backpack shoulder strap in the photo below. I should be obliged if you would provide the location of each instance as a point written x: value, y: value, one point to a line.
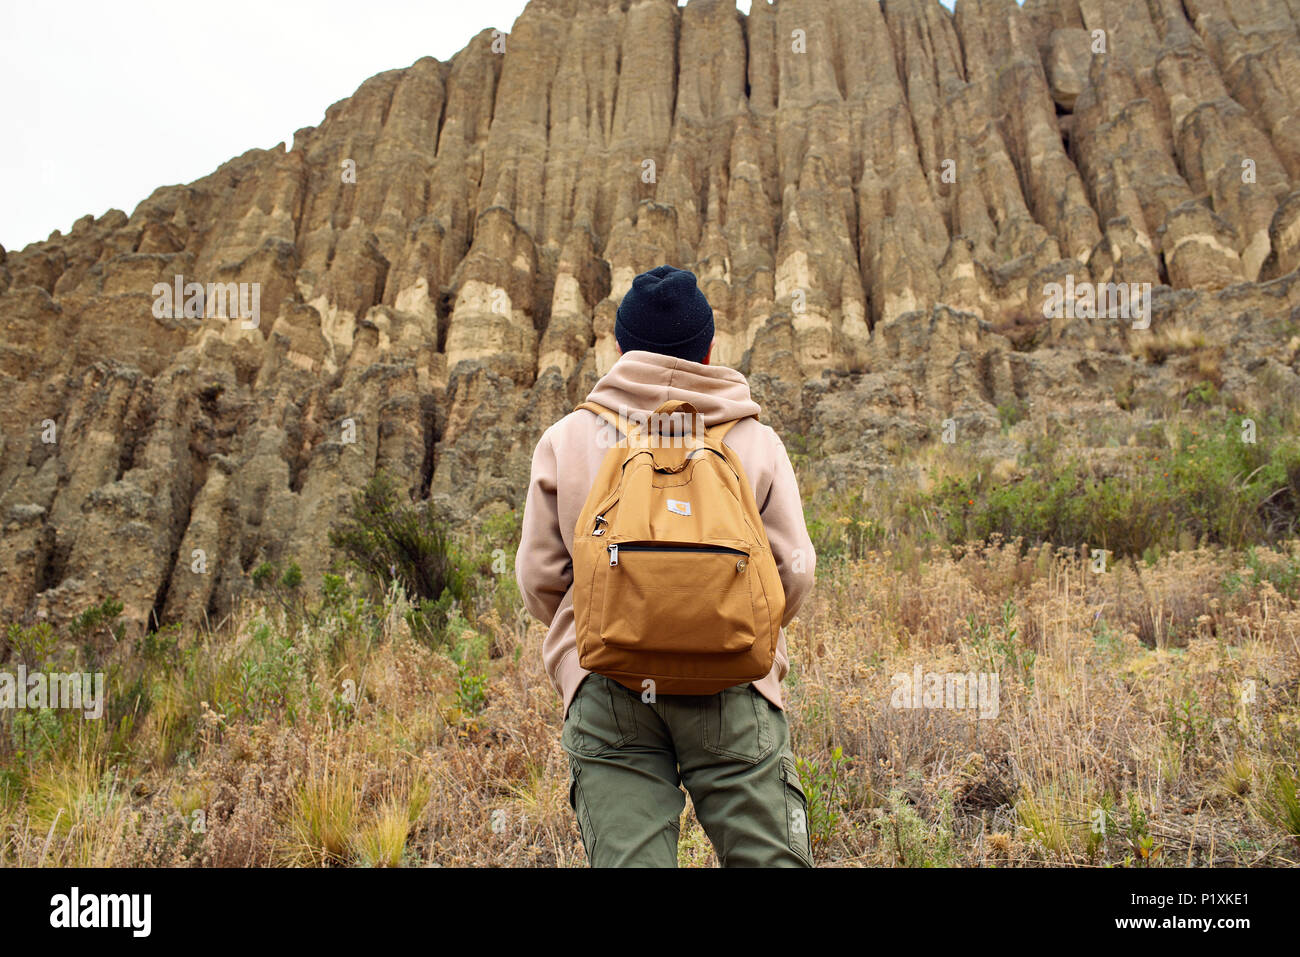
x: 613, y: 418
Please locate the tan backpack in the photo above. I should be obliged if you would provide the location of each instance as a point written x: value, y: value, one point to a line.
x: 673, y: 577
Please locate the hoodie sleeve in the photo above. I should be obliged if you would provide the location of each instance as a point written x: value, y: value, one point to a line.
x: 543, y: 566
x: 782, y: 513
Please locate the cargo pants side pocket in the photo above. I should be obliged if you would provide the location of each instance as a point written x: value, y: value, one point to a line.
x: 796, y: 811
x: 579, y: 805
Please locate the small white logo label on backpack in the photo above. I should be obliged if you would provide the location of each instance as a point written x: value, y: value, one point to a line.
x: 679, y: 508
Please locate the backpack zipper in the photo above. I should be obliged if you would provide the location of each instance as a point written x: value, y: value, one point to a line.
x: 613, y: 548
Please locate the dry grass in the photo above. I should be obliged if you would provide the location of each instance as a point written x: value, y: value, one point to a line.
x: 1156, y: 347
x: 1116, y: 689
x: 1146, y: 716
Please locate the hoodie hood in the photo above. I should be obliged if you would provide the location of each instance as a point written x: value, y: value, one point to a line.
x: 642, y: 381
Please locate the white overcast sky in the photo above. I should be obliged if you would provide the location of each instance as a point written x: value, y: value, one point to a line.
x: 106, y: 100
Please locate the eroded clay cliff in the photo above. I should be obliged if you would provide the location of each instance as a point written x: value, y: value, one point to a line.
x: 873, y: 195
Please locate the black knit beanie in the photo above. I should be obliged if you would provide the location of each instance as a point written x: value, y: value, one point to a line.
x: 665, y: 312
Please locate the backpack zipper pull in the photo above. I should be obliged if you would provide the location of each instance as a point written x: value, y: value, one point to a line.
x: 613, y: 553
x: 600, y: 520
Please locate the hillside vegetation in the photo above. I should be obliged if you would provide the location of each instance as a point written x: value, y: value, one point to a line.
x: 397, y: 714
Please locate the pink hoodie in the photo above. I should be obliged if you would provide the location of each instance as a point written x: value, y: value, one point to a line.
x: 565, y: 463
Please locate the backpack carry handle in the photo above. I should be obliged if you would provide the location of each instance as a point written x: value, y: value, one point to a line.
x: 677, y: 405
x: 688, y: 408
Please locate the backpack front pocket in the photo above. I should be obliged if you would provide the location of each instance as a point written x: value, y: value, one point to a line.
x: 678, y: 599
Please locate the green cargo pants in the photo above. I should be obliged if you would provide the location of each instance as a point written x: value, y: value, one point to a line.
x: 628, y: 760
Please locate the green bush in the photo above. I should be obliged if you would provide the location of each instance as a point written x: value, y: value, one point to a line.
x: 429, y: 619
x: 824, y: 789
x: 1284, y: 574
x: 282, y: 583
x: 270, y: 671
x: 397, y: 541
x: 915, y: 841
x: 1196, y: 487
x: 101, y: 618
x: 1214, y: 488
x: 33, y: 646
